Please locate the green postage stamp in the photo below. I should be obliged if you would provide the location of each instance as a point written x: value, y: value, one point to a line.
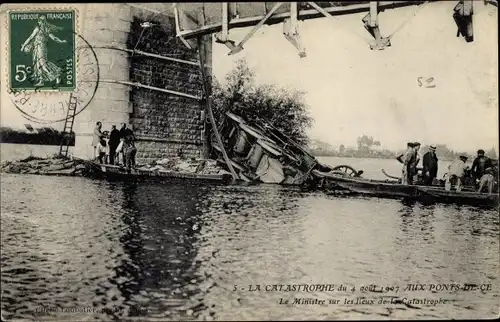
x: 42, y: 50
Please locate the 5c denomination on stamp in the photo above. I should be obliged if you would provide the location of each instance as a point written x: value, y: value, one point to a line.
x: 42, y: 50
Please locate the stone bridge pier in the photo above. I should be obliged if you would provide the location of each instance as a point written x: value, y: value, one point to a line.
x: 163, y: 123
x: 148, y: 79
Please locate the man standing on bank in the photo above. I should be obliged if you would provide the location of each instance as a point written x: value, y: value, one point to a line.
x: 430, y: 166
x: 114, y: 140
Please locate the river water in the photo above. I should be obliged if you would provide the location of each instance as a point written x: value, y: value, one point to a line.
x: 81, y: 249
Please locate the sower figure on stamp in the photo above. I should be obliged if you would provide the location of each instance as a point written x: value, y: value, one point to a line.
x: 43, y: 69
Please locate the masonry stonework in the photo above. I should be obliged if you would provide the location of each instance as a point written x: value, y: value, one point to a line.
x: 164, y: 123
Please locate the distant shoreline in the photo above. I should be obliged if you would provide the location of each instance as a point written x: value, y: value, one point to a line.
x: 366, y: 157
x: 43, y: 136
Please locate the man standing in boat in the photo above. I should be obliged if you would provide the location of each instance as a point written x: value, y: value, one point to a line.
x: 456, y: 171
x: 127, y: 138
x: 480, y: 164
x: 487, y: 180
x: 114, y: 141
x: 414, y: 164
x: 406, y: 159
x: 98, y: 136
x: 430, y: 166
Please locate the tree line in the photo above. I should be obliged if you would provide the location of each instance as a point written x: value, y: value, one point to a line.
x: 39, y: 136
x: 368, y: 147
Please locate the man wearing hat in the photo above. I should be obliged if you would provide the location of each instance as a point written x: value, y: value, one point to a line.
x: 406, y: 159
x: 480, y: 164
x: 413, y: 163
x: 114, y: 141
x: 430, y: 166
x: 456, y: 172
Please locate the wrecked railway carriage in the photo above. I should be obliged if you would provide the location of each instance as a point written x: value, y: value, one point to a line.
x: 260, y: 152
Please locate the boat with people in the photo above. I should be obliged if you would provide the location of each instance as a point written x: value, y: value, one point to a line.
x: 191, y: 173
x: 257, y: 152
x: 351, y: 180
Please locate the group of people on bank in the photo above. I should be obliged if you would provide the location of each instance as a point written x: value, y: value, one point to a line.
x: 114, y: 147
x: 483, y: 171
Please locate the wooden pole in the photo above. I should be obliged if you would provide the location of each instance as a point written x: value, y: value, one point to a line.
x: 373, y: 14
x: 140, y: 52
x: 225, y: 21
x: 136, y: 84
x: 208, y: 97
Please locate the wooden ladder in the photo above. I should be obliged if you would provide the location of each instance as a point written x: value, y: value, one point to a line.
x: 68, y: 126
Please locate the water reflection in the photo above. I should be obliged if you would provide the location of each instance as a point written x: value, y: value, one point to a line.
x: 160, y: 277
x: 170, y: 251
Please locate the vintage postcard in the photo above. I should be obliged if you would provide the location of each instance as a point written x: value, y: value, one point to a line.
x: 249, y: 161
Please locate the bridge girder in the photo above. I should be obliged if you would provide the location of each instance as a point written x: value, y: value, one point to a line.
x: 198, y: 19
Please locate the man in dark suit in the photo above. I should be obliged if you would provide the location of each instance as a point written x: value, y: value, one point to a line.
x: 114, y: 140
x: 430, y: 166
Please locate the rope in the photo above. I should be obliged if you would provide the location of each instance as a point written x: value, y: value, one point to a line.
x: 408, y: 20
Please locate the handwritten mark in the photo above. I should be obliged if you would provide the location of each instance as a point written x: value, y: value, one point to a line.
x: 428, y: 83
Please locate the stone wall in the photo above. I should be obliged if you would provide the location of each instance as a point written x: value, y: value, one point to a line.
x: 164, y: 123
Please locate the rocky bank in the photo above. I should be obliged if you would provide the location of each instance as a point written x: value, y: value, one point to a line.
x: 78, y: 167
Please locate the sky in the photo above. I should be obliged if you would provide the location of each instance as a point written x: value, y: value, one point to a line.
x: 352, y: 90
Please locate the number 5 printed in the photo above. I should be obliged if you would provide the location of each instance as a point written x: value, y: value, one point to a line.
x: 21, y: 72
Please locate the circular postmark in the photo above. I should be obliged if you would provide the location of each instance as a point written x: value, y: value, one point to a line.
x: 59, y: 99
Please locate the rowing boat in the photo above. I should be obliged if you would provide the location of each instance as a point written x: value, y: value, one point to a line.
x: 114, y: 172
x: 394, y: 189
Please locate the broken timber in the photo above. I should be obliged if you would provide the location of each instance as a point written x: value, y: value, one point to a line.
x: 208, y: 98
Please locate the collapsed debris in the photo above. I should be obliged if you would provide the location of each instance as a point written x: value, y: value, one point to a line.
x: 261, y: 153
x: 198, y: 166
x: 48, y: 166
x: 257, y: 153
x: 78, y: 167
